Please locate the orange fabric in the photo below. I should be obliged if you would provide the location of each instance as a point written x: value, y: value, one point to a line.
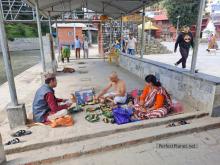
x: 145, y: 93
x: 159, y: 102
x: 63, y: 121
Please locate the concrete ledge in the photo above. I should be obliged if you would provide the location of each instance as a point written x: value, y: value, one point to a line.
x: 123, y: 128
x: 2, y: 152
x: 16, y: 115
x: 102, y: 144
x: 198, y: 92
x: 202, y: 76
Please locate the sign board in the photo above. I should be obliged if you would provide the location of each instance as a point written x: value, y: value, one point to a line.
x: 132, y: 18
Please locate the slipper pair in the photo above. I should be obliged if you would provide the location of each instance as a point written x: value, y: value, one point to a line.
x: 21, y: 133
x: 181, y: 122
x: 13, y: 141
x: 92, y: 118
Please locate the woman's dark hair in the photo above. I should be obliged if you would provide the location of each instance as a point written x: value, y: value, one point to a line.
x: 152, y: 79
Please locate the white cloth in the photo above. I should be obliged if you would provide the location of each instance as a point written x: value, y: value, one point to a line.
x: 131, y: 43
x: 86, y: 45
x: 57, y: 115
x: 117, y: 99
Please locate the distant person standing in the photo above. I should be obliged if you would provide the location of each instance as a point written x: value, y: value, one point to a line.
x: 131, y: 44
x: 123, y: 46
x: 65, y: 51
x: 212, y: 42
x: 85, y: 48
x: 77, y: 47
x: 184, y: 40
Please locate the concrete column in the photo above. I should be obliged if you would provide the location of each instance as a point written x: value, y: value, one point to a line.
x: 7, y: 60
x: 16, y: 113
x: 142, y: 33
x: 2, y: 152
x: 40, y: 36
x: 197, y: 38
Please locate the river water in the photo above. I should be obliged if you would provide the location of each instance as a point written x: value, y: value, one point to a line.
x: 21, y: 61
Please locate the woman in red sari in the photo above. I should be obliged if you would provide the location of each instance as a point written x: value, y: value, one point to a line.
x: 154, y: 102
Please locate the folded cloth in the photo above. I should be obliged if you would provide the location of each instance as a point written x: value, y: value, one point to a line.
x: 62, y: 121
x: 117, y: 99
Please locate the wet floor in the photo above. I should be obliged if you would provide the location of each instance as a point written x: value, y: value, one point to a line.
x: 21, y: 61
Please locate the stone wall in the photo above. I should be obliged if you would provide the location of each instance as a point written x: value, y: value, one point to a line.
x: 20, y: 44
x: 197, y: 93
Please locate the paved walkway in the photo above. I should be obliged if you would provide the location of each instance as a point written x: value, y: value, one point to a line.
x: 205, y: 149
x: 206, y: 63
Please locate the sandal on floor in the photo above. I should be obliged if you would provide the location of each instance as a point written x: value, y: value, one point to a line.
x: 92, y: 118
x: 171, y: 125
x: 182, y: 122
x: 21, y: 133
x: 13, y: 141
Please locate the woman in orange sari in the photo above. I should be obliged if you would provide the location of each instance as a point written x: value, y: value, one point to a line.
x: 155, y: 102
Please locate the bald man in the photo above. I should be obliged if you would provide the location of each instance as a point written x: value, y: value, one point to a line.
x: 119, y: 94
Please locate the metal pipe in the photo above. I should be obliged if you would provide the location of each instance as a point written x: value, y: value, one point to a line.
x: 7, y: 61
x: 40, y: 36
x: 197, y: 38
x: 58, y: 44
x: 121, y: 32
x: 110, y: 39
x: 177, y: 26
x: 149, y: 33
x: 50, y: 26
x: 142, y: 32
x: 53, y: 21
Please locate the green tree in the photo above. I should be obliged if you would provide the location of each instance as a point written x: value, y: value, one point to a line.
x: 186, y: 9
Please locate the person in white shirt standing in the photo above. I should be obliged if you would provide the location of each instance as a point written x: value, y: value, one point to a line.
x: 85, y: 48
x: 131, y: 44
x: 77, y: 47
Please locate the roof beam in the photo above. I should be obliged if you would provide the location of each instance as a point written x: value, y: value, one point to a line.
x: 114, y: 6
x: 56, y: 3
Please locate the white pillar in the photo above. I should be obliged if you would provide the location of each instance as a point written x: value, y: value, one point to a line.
x: 40, y: 36
x: 142, y: 33
x: 197, y: 38
x: 7, y: 60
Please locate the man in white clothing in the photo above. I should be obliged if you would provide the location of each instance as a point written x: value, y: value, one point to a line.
x: 131, y: 44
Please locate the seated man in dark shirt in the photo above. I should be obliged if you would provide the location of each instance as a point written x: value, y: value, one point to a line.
x: 45, y: 103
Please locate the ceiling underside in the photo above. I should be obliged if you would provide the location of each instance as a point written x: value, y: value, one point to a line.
x: 112, y: 8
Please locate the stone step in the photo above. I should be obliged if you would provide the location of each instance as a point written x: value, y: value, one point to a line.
x: 22, y: 147
x: 51, y: 154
